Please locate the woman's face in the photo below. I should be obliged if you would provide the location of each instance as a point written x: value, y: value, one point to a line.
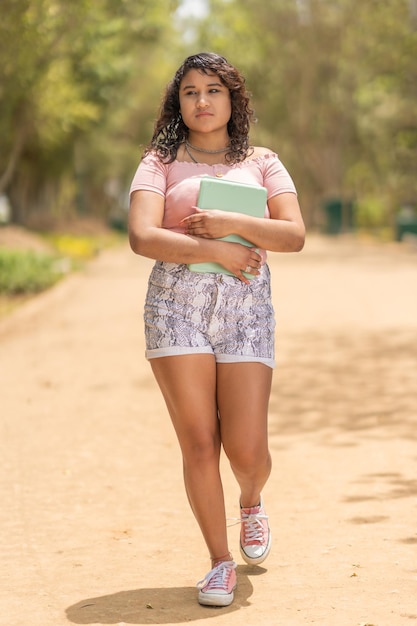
x: 205, y: 102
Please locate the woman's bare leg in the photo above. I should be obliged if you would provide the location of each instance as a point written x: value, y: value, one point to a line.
x: 188, y: 384
x: 243, y: 391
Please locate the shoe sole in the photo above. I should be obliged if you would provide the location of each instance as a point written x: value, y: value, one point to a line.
x: 211, y: 599
x: 259, y: 559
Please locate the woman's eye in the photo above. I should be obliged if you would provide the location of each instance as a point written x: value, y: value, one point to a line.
x: 194, y: 93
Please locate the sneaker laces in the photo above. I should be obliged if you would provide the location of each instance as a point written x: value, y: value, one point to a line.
x: 217, y: 578
x: 253, y: 529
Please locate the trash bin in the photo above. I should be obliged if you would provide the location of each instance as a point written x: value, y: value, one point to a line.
x: 406, y: 222
x: 338, y: 215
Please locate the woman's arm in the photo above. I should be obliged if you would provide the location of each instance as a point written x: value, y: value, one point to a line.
x: 284, y: 232
x: 149, y: 239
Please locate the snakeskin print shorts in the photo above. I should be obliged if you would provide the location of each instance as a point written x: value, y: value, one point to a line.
x: 194, y: 313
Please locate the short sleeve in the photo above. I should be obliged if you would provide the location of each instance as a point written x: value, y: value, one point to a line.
x: 277, y: 180
x: 151, y: 175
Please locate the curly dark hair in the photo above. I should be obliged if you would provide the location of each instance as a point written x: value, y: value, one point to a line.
x: 170, y: 130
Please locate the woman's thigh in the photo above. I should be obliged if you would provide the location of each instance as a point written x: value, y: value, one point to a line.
x: 243, y: 391
x: 188, y: 385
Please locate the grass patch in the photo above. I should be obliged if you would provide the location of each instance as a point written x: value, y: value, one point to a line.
x: 28, y: 272
x: 25, y: 272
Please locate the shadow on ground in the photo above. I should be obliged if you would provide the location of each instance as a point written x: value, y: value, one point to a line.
x: 353, y: 382
x: 167, y: 605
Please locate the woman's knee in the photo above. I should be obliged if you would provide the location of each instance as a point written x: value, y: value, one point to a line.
x: 250, y: 460
x: 201, y: 451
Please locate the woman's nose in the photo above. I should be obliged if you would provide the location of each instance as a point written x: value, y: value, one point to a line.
x: 201, y: 101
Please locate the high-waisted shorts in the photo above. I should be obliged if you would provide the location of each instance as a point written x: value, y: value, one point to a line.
x: 200, y: 313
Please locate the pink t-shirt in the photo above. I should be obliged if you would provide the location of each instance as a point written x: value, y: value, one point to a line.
x: 179, y: 182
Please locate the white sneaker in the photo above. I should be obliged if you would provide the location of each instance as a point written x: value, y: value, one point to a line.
x: 217, y: 587
x: 255, y: 535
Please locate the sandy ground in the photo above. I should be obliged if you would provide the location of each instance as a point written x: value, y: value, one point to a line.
x: 95, y: 527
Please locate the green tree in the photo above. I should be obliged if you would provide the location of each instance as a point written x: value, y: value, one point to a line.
x: 334, y: 87
x: 65, y: 71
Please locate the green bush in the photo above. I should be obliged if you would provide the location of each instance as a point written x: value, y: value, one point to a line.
x: 29, y: 272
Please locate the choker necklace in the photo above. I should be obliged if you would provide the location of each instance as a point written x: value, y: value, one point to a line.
x: 190, y: 145
x: 219, y: 173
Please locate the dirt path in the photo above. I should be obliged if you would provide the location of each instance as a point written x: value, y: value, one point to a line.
x: 95, y: 526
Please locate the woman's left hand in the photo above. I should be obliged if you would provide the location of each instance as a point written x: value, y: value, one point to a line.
x: 211, y: 224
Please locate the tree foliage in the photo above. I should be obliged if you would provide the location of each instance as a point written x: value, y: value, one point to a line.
x: 334, y: 86
x: 67, y: 70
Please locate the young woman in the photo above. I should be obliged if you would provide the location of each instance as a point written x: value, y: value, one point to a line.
x: 210, y: 336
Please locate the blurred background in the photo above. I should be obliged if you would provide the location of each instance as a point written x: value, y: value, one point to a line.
x: 334, y: 87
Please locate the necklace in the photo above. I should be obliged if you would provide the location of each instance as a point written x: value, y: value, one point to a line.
x: 218, y: 174
x: 189, y: 153
x: 190, y: 145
